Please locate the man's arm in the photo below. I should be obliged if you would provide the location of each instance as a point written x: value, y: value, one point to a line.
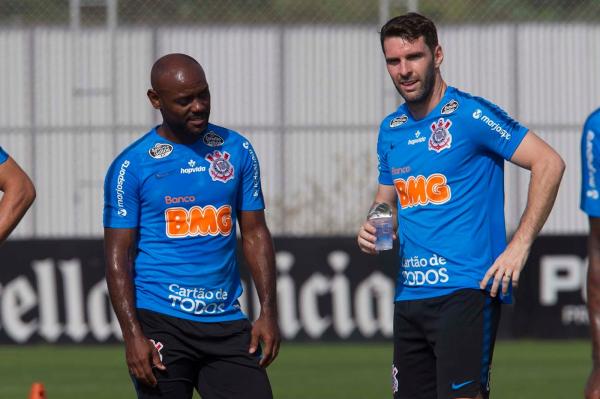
x: 19, y: 194
x: 546, y: 168
x: 366, y: 234
x: 592, y: 389
x: 260, y: 257
x: 141, y: 355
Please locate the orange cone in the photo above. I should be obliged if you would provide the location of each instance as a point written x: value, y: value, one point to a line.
x: 37, y: 391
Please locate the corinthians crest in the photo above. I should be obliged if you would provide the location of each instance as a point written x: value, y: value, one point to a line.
x: 440, y: 138
x: 220, y: 167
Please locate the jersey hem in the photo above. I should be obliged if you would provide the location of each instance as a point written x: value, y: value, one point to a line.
x: 507, y: 299
x: 239, y: 315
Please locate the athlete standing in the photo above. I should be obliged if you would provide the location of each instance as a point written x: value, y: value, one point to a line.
x: 441, y: 157
x: 172, y: 200
x: 18, y: 194
x: 590, y: 204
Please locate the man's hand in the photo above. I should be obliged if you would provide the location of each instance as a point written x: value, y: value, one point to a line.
x: 366, y: 238
x: 592, y: 388
x: 506, y: 268
x: 142, y: 356
x: 265, y: 330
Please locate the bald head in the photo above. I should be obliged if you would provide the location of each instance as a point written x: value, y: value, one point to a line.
x: 174, y: 70
x: 180, y: 91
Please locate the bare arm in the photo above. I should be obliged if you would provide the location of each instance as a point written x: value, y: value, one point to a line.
x: 366, y: 234
x: 259, y: 252
x: 592, y: 389
x: 119, y: 247
x: 546, y: 168
x: 19, y: 194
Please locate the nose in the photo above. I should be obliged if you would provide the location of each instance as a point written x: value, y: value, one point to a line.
x: 404, y: 69
x: 196, y: 106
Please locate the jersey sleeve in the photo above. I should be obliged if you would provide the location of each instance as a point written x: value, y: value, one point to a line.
x: 3, y: 156
x: 495, y: 130
x: 383, y: 148
x: 121, y: 194
x: 590, y: 164
x: 250, y: 196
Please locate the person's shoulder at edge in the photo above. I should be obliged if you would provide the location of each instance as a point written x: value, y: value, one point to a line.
x: 593, y: 118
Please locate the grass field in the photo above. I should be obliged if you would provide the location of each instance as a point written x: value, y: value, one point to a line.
x: 522, y: 370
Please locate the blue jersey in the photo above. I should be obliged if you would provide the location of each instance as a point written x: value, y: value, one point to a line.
x: 590, y: 164
x: 448, y: 172
x: 3, y: 156
x: 183, y: 200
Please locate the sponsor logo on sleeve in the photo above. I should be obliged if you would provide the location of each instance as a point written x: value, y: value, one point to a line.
x: 592, y: 191
x: 420, y: 190
x: 160, y: 150
x: 220, y: 168
x: 440, y: 138
x: 493, y: 125
x: 255, y: 171
x: 398, y: 121
x: 212, y: 139
x: 120, y: 192
x: 450, y: 107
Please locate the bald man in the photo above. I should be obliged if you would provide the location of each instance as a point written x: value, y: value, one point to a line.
x: 171, y: 202
x: 18, y: 194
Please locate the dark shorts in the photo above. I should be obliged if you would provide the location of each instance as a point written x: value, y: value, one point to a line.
x: 443, y: 346
x: 211, y: 357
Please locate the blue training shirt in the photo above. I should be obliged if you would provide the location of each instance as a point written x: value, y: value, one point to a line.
x: 448, y: 171
x: 183, y: 200
x: 3, y: 156
x: 590, y: 153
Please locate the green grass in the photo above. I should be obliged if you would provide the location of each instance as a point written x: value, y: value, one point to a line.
x: 522, y: 370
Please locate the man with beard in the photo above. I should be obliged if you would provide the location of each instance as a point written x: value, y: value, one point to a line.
x: 590, y: 204
x: 441, y: 157
x: 18, y: 194
x: 172, y: 200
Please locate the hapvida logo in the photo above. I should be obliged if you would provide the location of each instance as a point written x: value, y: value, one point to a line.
x: 417, y: 139
x: 198, y: 221
x: 421, y: 190
x: 192, y: 168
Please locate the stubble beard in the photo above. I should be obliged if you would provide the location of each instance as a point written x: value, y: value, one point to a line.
x: 422, y: 95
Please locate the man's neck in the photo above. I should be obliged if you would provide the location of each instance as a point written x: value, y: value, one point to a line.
x: 165, y: 131
x: 423, y: 108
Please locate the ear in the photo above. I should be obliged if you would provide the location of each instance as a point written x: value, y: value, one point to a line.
x: 154, y: 98
x: 438, y: 56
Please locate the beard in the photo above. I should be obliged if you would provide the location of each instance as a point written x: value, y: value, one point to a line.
x: 421, y: 95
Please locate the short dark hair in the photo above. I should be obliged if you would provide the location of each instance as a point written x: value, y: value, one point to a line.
x: 410, y: 27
